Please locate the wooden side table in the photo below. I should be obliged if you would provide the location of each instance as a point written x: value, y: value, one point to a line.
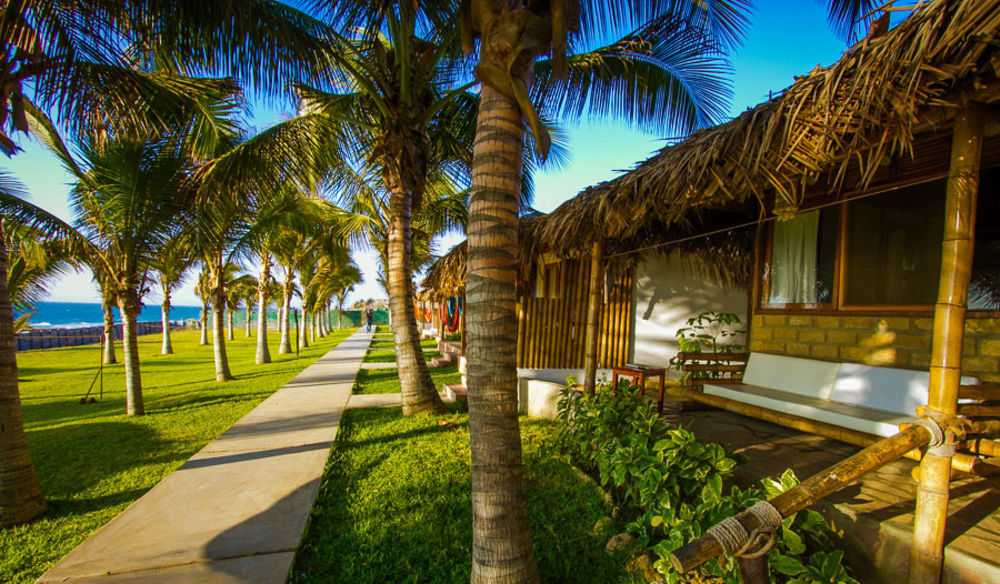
x: 638, y: 375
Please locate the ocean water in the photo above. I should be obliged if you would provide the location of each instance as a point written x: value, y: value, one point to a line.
x: 77, y: 314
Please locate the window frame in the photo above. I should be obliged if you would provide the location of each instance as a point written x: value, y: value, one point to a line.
x: 838, y: 306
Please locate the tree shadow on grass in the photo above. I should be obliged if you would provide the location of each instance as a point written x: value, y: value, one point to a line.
x: 73, y: 458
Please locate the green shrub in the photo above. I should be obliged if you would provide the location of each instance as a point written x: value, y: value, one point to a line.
x: 670, y: 488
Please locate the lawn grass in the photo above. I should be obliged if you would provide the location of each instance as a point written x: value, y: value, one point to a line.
x: 387, y: 380
x: 93, y: 461
x: 395, y: 506
x: 390, y: 356
x: 389, y: 344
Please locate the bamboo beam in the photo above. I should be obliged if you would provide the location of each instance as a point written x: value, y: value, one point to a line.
x: 806, y: 493
x: 593, y: 313
x: 979, y: 411
x: 984, y: 392
x: 927, y: 550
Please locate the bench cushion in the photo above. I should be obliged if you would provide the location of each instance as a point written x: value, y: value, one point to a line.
x: 894, y: 390
x: 863, y: 419
x: 791, y: 374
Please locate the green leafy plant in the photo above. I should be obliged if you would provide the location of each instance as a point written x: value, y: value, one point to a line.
x: 670, y: 488
x: 709, y: 332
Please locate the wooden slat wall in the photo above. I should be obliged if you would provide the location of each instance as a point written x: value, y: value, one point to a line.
x: 551, y: 331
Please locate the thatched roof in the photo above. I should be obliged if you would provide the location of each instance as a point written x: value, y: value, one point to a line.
x: 865, y: 108
x: 446, y: 277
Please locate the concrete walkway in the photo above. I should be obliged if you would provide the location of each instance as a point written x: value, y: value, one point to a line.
x: 235, y: 511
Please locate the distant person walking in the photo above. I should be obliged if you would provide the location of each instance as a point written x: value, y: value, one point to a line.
x: 370, y: 318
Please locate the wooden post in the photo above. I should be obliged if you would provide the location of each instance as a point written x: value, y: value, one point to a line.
x: 927, y: 549
x: 754, y: 570
x: 593, y: 313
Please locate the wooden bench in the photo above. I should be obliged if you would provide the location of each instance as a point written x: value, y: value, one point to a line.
x: 851, y: 402
x: 716, y: 368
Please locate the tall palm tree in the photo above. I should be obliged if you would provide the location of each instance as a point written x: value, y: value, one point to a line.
x: 677, y: 85
x: 243, y: 288
x: 171, y: 263
x: 397, y: 116
x: 203, y: 289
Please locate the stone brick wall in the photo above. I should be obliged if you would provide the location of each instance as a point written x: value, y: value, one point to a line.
x: 890, y: 341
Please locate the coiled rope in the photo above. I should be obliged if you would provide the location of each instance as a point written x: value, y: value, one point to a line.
x: 734, y: 539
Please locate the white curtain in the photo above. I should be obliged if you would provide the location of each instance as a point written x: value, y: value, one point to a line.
x: 793, y: 260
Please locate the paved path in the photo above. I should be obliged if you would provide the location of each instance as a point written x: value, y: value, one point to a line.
x: 236, y: 510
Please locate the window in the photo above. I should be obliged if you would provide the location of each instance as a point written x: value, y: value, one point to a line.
x: 880, y: 251
x: 893, y: 248
x: 984, y: 289
x: 803, y: 255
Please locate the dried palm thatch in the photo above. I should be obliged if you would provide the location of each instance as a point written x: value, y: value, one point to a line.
x: 446, y: 276
x: 864, y: 109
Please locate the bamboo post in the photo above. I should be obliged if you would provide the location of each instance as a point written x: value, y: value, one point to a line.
x: 521, y: 362
x: 806, y: 493
x: 593, y: 313
x: 531, y: 342
x: 580, y: 315
x: 563, y: 345
x: 927, y: 549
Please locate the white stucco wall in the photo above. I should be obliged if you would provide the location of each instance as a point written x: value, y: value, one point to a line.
x: 665, y: 298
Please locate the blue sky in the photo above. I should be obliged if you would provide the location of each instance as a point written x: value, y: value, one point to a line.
x: 786, y: 38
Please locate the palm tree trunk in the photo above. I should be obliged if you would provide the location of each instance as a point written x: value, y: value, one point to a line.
x: 313, y: 327
x: 285, y: 346
x: 501, y: 542
x: 263, y: 352
x: 419, y: 394
x: 21, y: 497
x: 229, y: 325
x: 222, y: 372
x: 128, y: 304
x: 167, y: 348
x: 306, y: 323
x: 204, y: 323
x: 109, y: 335
x: 246, y: 325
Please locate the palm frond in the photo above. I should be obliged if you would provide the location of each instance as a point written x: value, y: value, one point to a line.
x: 668, y: 77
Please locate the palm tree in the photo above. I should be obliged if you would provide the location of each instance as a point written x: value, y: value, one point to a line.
x: 171, y: 262
x: 406, y: 119
x: 243, y: 288
x: 236, y: 291
x: 675, y: 86
x: 264, y: 282
x: 204, y: 291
